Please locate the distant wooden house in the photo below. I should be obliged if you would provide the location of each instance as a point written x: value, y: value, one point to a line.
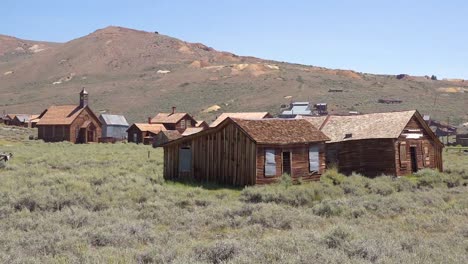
x: 7, y: 118
x: 74, y: 123
x: 114, y: 127
x: 144, y: 132
x: 395, y: 143
x: 174, y: 120
x: 165, y: 136
x: 243, y: 152
x: 240, y: 115
x: 23, y: 120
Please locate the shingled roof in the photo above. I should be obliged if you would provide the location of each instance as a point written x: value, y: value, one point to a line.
x: 281, y: 131
x: 168, y: 118
x: 367, y: 126
x: 153, y: 128
x: 241, y: 115
x: 60, y: 115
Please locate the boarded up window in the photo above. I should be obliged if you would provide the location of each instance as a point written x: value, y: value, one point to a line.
x: 314, y: 163
x: 182, y: 124
x: 403, y: 154
x: 270, y: 163
x: 427, y: 157
x: 185, y: 160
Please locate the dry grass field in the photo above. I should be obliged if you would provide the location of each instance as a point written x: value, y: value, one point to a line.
x: 64, y: 203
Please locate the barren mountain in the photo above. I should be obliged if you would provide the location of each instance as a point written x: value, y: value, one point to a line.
x: 140, y: 73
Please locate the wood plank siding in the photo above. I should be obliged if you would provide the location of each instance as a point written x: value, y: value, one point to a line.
x: 227, y: 156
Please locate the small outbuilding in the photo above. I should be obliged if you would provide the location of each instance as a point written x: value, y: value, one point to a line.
x: 74, y: 123
x: 394, y: 143
x: 243, y: 152
x: 144, y: 132
x: 114, y: 127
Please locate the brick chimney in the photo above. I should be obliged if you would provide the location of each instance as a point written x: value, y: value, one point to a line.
x: 149, y: 120
x: 173, y: 109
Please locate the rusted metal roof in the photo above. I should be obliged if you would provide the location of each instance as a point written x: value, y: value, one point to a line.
x: 240, y: 115
x: 60, y: 115
x: 366, y: 126
x: 281, y: 131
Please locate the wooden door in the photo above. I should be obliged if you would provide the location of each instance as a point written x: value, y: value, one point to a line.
x: 287, y: 162
x: 414, y: 159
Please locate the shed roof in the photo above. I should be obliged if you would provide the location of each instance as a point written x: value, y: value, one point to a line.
x: 116, y: 120
x: 240, y: 115
x: 168, y: 118
x: 281, y: 131
x: 366, y: 126
x: 60, y: 115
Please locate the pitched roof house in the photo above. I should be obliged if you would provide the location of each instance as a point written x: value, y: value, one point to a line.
x: 114, y: 127
x: 248, y: 151
x: 74, y: 123
x: 24, y: 120
x: 174, y: 120
x: 240, y: 115
x: 394, y: 143
x: 144, y: 132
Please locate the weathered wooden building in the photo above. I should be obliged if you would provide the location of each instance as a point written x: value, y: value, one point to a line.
x: 165, y: 136
x: 114, y: 127
x: 395, y: 143
x: 144, y: 132
x: 240, y: 115
x: 23, y: 120
x: 174, y: 120
x: 74, y: 123
x: 246, y: 152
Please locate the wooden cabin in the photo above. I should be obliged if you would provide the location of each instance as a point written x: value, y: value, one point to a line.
x: 165, y: 136
x: 240, y: 115
x: 395, y: 143
x: 174, y: 121
x: 143, y: 132
x: 74, y: 123
x: 23, y: 120
x: 242, y: 152
x: 114, y: 127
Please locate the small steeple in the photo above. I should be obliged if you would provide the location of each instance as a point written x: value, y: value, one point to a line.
x: 83, y: 98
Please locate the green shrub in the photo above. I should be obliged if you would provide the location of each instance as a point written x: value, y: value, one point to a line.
x: 332, y: 176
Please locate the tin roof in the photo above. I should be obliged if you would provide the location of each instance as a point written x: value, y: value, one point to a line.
x: 241, y: 115
x: 298, y: 108
x: 117, y: 120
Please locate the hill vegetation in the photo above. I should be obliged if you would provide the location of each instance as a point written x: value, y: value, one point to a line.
x: 104, y: 203
x: 141, y: 73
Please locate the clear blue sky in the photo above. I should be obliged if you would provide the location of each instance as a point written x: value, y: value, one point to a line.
x: 415, y: 37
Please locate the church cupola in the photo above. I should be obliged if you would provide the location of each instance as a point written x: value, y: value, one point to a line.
x: 83, y: 98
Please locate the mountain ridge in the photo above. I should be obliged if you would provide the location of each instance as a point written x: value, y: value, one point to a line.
x: 140, y: 73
